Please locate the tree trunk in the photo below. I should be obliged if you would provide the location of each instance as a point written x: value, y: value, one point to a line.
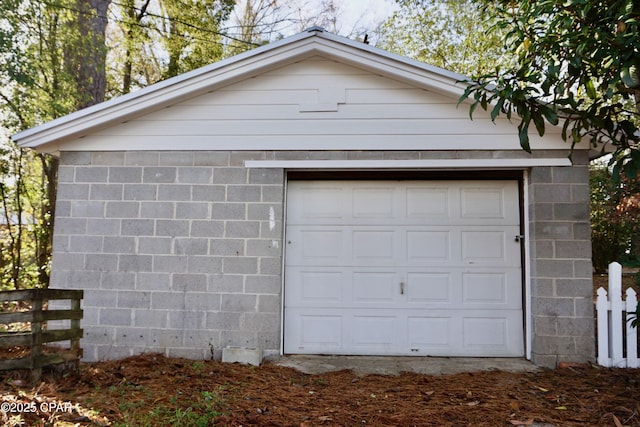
x: 91, y: 57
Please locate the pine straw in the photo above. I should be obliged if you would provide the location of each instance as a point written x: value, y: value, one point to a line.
x: 272, y: 395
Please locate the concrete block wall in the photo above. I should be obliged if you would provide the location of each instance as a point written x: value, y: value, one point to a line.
x: 561, y: 270
x: 178, y: 252
x: 181, y: 252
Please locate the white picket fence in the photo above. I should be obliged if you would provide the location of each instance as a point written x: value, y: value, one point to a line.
x: 613, y: 328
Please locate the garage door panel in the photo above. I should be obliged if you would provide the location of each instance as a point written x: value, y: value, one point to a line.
x: 316, y: 332
x: 431, y: 333
x: 431, y: 203
x: 375, y: 287
x: 374, y: 202
x: 404, y: 268
x: 375, y: 333
x: 428, y: 245
x: 373, y: 246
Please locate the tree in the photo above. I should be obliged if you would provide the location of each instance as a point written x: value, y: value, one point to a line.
x: 52, y: 63
x: 578, y: 65
x: 451, y: 34
x: 615, y: 232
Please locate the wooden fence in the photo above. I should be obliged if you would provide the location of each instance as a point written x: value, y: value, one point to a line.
x: 34, y: 333
x: 617, y: 340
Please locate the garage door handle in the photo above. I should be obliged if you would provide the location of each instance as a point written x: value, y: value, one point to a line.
x: 401, y: 288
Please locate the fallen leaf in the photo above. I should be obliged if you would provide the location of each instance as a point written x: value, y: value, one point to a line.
x: 561, y: 408
x: 522, y: 423
x: 474, y: 403
x: 617, y: 421
x: 325, y: 418
x: 514, y: 406
x: 542, y: 389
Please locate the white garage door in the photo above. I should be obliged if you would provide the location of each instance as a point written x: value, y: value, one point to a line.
x: 403, y: 268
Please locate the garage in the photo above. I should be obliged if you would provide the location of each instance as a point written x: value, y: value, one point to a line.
x: 411, y: 267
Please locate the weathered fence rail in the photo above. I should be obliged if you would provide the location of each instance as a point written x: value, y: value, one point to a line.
x: 37, y: 333
x: 617, y: 339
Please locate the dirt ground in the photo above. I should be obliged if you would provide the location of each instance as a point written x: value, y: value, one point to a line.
x: 155, y: 390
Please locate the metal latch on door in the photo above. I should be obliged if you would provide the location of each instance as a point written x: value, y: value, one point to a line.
x: 520, y: 238
x: 401, y: 288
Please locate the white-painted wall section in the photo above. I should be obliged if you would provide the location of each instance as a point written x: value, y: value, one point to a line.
x: 311, y: 104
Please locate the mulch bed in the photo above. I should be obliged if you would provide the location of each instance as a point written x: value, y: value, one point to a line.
x: 272, y: 395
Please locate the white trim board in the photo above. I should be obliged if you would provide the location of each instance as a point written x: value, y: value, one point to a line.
x: 409, y: 164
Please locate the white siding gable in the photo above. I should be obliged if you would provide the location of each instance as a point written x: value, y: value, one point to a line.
x: 313, y: 104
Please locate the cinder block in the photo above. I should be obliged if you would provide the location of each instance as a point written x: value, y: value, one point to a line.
x: 107, y: 158
x: 192, y: 210
x: 174, y: 192
x: 246, y: 356
x: 115, y: 316
x: 190, y: 246
x: 134, y: 299
x: 85, y: 244
x: 87, y: 209
x: 100, y: 262
x: 75, y: 158
x: 230, y: 175
x: 140, y: 192
x: 238, y: 303
x: 138, y: 227
x: 270, y: 266
x: 130, y: 174
x: 266, y: 176
x: 152, y: 174
x: 156, y: 209
x: 235, y: 211
x: 106, y: 192
x: 204, y: 264
x: 155, y: 245
x: 122, y: 209
x: 242, y: 229
x: 203, y: 301
x: 173, y: 228
x: 169, y: 264
x: 73, y: 191
x: 208, y: 193
x: 211, y: 158
x: 195, y: 175
x: 207, y: 228
x: 244, y: 193
x: 101, y: 227
x: 176, y: 158
x: 141, y: 158
x: 136, y: 263
x: 226, y: 247
x: 117, y: 280
x: 189, y: 282
x: 153, y: 281
x: 92, y: 174
x: 242, y: 265
x: 119, y: 245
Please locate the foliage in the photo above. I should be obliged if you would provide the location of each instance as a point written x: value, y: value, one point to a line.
x: 37, y: 83
x: 578, y: 65
x: 150, y: 41
x: 450, y: 34
x: 615, y: 230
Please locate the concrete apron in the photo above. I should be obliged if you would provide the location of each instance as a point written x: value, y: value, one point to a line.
x: 388, y: 365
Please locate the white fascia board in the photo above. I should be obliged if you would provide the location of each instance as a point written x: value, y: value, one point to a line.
x: 433, y: 164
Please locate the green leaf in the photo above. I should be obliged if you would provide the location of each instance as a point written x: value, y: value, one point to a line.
x: 523, y: 134
x: 497, y: 109
x: 591, y: 89
x: 538, y: 121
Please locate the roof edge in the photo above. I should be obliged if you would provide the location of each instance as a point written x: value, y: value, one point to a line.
x: 236, y: 67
